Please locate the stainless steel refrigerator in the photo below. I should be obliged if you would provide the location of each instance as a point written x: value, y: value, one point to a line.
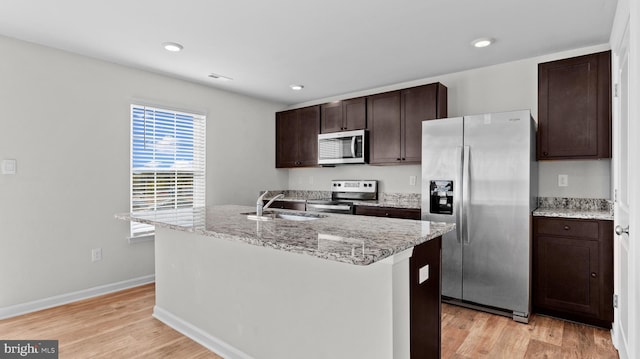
x: 480, y: 173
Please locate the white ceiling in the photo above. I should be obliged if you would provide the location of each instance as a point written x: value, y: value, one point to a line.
x: 332, y: 47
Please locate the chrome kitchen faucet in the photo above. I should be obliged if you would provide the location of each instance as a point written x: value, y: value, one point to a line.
x: 260, y: 207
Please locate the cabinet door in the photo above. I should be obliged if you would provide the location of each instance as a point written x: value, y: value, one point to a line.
x: 286, y: 139
x: 331, y: 120
x: 418, y: 104
x: 383, y: 123
x: 567, y: 274
x: 355, y: 114
x: 574, y: 107
x: 308, y: 127
x: 297, y: 137
x: 573, y: 269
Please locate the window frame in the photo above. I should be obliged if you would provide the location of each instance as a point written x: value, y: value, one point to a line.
x: 187, y: 198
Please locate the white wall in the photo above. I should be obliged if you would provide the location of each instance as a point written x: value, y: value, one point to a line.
x: 65, y: 119
x: 504, y: 87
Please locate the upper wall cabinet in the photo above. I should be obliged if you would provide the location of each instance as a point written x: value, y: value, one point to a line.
x: 343, y: 115
x: 574, y: 108
x: 297, y: 137
x: 394, y: 120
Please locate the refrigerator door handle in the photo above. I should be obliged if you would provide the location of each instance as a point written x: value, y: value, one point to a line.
x: 458, y: 194
x: 466, y: 194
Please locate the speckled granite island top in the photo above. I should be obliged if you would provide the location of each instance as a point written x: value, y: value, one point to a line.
x: 359, y: 240
x: 579, y: 208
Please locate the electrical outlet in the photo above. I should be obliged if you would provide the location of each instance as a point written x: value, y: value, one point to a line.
x: 96, y: 254
x: 412, y: 180
x: 9, y: 167
x: 563, y: 180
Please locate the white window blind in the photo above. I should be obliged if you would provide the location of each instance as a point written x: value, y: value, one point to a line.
x: 167, y: 166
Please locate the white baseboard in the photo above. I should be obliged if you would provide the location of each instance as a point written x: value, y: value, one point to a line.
x: 198, y: 335
x: 40, y: 304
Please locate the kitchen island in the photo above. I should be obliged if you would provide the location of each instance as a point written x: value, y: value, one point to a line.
x: 339, y: 286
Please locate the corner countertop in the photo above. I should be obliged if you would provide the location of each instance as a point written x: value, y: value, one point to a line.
x: 579, y: 208
x: 574, y: 213
x: 359, y: 240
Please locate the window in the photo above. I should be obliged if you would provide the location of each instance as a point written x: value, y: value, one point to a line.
x: 167, y: 166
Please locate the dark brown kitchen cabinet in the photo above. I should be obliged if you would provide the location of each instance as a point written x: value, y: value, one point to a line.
x: 394, y: 120
x: 573, y: 269
x: 294, y: 205
x: 297, y: 137
x: 346, y: 115
x: 574, y: 108
x: 391, y: 212
x: 425, y: 307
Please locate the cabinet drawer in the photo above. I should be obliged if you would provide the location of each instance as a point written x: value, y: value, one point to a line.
x: 567, y: 227
x: 391, y: 212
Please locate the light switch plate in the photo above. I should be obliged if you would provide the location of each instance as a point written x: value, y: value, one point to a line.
x: 563, y: 180
x: 9, y: 167
x: 423, y: 274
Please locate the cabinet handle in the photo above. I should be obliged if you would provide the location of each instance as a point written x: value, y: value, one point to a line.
x: 566, y: 228
x: 398, y: 159
x: 404, y: 159
x: 386, y: 214
x: 594, y: 275
x: 545, y: 153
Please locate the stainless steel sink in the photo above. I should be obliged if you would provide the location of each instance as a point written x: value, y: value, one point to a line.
x: 288, y: 216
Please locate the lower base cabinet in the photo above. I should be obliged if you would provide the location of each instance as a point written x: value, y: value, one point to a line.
x: 573, y: 269
x: 425, y: 305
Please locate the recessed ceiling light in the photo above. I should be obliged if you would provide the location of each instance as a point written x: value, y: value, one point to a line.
x: 482, y: 42
x: 219, y: 77
x: 296, y: 87
x: 172, y: 46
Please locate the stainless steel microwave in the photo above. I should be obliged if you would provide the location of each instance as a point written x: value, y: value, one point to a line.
x: 342, y: 147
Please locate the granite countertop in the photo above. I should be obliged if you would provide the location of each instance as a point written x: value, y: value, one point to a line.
x: 396, y: 200
x: 359, y: 240
x: 573, y: 213
x: 580, y: 208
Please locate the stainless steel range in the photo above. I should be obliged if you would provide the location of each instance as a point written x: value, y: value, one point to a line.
x: 343, y: 195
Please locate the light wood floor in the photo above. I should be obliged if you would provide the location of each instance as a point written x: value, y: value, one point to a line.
x: 120, y: 325
x: 468, y: 333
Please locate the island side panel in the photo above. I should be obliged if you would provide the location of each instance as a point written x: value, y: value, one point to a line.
x: 273, y: 304
x: 426, y: 307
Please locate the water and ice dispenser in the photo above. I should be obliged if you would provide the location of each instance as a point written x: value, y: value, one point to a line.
x: 441, y: 197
